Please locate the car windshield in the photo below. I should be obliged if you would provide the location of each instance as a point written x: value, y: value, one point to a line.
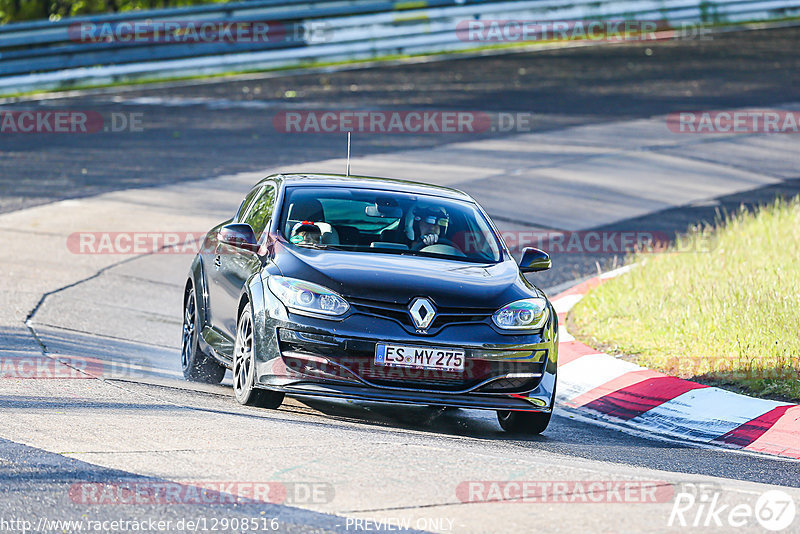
x: 388, y: 222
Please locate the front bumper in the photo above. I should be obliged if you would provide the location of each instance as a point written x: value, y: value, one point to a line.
x: 487, y: 402
x: 309, y: 356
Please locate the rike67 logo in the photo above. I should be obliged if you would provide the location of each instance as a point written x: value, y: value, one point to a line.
x: 704, y: 505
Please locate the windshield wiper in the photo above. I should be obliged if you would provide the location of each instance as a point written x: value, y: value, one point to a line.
x: 467, y: 259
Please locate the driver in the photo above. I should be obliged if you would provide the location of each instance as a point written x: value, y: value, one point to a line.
x: 428, y: 224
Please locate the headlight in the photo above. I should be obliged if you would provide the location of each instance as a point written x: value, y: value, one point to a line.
x: 301, y: 296
x: 525, y: 314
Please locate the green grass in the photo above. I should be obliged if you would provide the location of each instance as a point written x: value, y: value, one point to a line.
x: 721, y: 307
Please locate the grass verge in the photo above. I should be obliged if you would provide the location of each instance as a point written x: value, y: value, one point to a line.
x: 721, y: 306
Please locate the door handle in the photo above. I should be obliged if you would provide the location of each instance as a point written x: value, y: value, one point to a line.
x: 217, y: 261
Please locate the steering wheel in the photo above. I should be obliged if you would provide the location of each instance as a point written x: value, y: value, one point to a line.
x: 442, y: 241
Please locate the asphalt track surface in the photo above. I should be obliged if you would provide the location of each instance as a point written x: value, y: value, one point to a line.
x: 203, y: 131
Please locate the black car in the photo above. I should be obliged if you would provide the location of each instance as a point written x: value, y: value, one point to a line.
x: 373, y: 289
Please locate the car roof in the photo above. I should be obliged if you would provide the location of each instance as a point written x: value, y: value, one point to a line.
x: 368, y: 182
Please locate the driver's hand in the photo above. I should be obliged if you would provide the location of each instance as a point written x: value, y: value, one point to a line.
x: 430, y: 239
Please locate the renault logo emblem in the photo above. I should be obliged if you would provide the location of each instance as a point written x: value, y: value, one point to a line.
x: 422, y: 312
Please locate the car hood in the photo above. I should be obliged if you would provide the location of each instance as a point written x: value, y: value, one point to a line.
x: 398, y: 279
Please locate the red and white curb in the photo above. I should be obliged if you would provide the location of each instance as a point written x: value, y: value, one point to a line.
x: 622, y: 392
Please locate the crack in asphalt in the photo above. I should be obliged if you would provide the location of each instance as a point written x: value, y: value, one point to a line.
x: 99, y: 272
x: 29, y: 231
x: 29, y: 318
x: 148, y: 280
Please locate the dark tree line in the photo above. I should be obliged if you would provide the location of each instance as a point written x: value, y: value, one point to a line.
x: 17, y: 10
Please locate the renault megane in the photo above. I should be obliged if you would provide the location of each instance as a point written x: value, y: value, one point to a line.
x: 373, y: 289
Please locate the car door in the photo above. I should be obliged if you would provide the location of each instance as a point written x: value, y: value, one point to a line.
x: 234, y: 265
x: 212, y: 264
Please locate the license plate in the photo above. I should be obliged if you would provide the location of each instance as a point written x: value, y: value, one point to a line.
x: 419, y: 357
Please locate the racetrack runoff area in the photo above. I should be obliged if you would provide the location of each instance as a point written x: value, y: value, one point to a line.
x: 601, y: 158
x: 119, y: 316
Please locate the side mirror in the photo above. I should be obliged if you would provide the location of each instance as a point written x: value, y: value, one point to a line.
x: 534, y: 260
x: 238, y: 235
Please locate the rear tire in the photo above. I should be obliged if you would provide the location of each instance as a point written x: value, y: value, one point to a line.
x: 196, y: 366
x: 530, y: 423
x: 244, y: 369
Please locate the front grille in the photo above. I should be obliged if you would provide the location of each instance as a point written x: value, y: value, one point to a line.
x: 357, y: 361
x: 445, y: 316
x: 417, y: 378
x: 475, y: 372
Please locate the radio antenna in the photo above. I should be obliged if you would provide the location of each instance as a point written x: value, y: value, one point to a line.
x: 348, y: 153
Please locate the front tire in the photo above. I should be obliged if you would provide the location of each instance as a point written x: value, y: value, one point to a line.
x: 530, y: 423
x: 196, y: 366
x: 244, y: 368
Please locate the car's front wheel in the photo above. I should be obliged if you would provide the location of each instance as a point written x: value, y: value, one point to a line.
x: 196, y: 366
x: 523, y: 422
x: 244, y: 369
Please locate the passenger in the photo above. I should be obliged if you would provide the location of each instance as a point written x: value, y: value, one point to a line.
x: 306, y: 233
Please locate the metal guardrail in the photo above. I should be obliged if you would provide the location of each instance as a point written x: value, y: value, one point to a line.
x: 44, y: 54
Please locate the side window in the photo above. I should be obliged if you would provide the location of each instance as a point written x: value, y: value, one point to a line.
x: 246, y: 203
x: 260, y: 213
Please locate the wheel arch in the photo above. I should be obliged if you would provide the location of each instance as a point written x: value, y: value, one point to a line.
x: 265, y: 343
x: 197, y: 281
x: 244, y: 300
